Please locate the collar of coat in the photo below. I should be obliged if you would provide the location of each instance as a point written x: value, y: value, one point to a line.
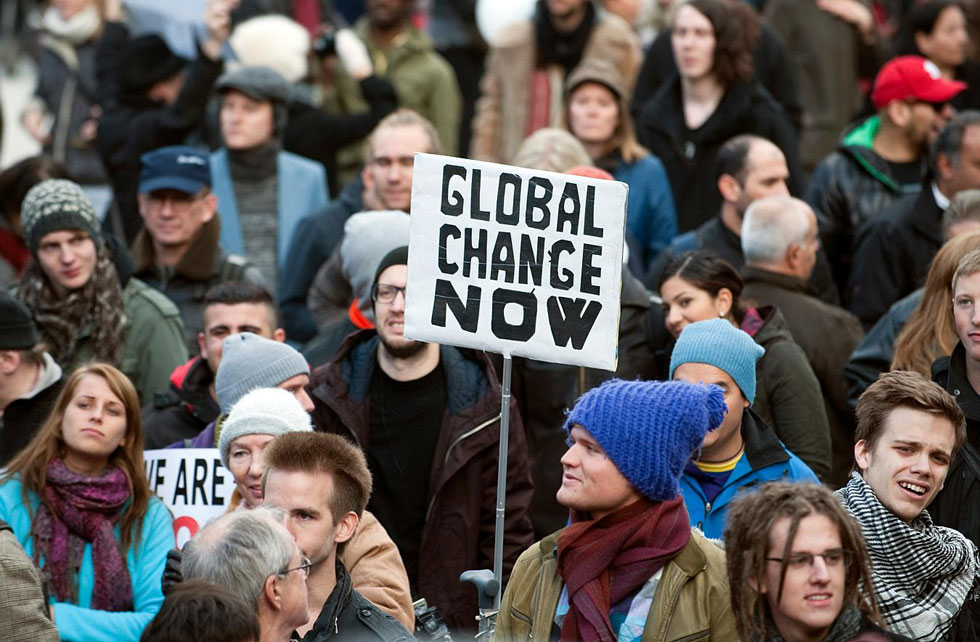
x: 196, y: 264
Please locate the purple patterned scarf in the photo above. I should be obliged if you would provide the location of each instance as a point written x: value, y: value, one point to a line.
x: 83, y: 509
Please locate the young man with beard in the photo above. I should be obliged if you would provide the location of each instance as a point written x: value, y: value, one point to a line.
x: 628, y: 566
x: 428, y: 419
x: 908, y: 430
x: 323, y: 484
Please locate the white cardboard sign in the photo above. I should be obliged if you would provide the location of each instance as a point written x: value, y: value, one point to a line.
x: 194, y: 485
x: 516, y: 261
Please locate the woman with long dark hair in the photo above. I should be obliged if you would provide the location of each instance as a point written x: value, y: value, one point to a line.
x: 79, y: 503
x: 696, y: 286
x: 711, y: 99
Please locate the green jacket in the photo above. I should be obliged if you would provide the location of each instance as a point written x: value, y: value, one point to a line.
x: 423, y: 80
x: 154, y: 340
x: 691, y: 603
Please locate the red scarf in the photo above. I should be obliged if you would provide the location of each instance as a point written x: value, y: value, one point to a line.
x: 604, y: 561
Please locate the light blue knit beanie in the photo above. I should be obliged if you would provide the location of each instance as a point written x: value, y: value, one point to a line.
x: 718, y: 343
x: 649, y: 429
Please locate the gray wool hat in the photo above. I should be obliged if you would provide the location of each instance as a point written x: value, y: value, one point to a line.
x: 265, y: 411
x: 258, y: 83
x: 368, y: 237
x: 53, y: 205
x: 249, y: 361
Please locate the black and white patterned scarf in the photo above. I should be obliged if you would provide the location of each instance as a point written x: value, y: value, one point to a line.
x: 923, y: 574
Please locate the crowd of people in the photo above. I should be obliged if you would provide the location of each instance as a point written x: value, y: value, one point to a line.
x: 212, y: 251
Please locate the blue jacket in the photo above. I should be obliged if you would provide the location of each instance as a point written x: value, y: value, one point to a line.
x: 302, y: 190
x: 765, y: 459
x: 145, y: 560
x: 650, y: 214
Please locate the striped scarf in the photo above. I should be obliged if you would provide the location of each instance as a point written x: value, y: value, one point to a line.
x: 923, y: 574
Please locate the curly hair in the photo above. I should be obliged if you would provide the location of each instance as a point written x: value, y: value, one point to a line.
x: 751, y: 518
x: 736, y: 30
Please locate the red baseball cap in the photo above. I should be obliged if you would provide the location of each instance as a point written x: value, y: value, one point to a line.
x: 912, y: 77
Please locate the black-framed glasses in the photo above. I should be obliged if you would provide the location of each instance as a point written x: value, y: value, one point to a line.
x: 384, y: 293
x: 305, y: 567
x: 831, y: 558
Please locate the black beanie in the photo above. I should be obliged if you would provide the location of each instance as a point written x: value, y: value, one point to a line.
x: 148, y: 61
x: 17, y: 329
x: 398, y: 256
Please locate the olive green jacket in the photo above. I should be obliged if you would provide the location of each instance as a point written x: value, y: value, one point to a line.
x: 154, y: 340
x: 691, y: 603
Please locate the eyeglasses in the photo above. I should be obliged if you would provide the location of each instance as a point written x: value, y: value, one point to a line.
x: 305, y: 567
x: 831, y: 558
x: 938, y: 106
x: 384, y: 293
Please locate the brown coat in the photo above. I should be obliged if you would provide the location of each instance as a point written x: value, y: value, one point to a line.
x: 500, y: 123
x: 691, y: 602
x: 458, y: 533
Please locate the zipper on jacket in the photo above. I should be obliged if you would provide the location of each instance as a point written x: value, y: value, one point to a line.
x: 468, y: 433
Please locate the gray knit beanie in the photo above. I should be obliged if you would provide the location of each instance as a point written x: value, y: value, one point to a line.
x: 368, y: 237
x: 53, y: 205
x: 249, y: 361
x: 265, y: 411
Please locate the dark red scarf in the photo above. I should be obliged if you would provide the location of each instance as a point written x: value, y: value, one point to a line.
x: 84, y: 509
x: 604, y: 561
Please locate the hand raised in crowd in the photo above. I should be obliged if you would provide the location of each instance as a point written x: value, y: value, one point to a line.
x: 851, y: 11
x: 217, y: 20
x: 353, y: 54
x: 112, y: 10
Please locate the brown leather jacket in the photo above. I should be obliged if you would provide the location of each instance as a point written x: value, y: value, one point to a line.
x: 691, y: 603
x: 458, y: 534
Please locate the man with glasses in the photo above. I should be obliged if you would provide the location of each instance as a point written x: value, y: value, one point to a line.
x: 251, y: 554
x: 881, y: 159
x: 322, y: 482
x: 798, y: 568
x: 428, y: 419
x: 908, y: 430
x: 177, y: 250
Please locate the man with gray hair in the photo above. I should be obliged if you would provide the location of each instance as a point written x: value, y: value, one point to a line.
x: 780, y: 242
x: 896, y: 247
x: 251, y: 554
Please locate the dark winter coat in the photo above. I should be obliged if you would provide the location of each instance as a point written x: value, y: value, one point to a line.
x: 185, y: 410
x: 348, y: 615
x: 827, y: 334
x: 847, y: 189
x: 459, y: 528
x: 22, y: 418
x: 745, y: 108
x: 131, y: 126
x: 312, y: 244
x: 893, y: 255
x: 788, y: 395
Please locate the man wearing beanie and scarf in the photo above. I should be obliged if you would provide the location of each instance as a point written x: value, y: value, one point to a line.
x: 428, y: 419
x: 149, y: 99
x: 743, y: 451
x: 263, y: 191
x: 30, y: 380
x: 85, y: 309
x: 628, y: 566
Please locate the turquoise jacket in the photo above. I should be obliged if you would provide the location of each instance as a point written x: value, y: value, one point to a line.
x: 145, y: 559
x: 302, y: 190
x: 765, y: 459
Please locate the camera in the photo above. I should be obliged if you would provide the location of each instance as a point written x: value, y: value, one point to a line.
x: 429, y: 625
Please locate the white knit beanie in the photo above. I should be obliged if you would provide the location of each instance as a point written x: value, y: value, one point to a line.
x: 266, y: 411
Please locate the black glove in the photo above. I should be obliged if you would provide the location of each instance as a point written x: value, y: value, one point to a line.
x: 171, y: 572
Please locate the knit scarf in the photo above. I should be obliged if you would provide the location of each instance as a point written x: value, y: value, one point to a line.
x: 603, y: 561
x: 846, y: 627
x: 98, y: 303
x: 923, y: 574
x: 80, y: 28
x: 558, y: 47
x: 77, y: 509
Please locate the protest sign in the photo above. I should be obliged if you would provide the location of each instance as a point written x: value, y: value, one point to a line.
x: 516, y: 261
x: 194, y: 485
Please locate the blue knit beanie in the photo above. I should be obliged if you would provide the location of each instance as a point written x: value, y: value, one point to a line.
x: 649, y: 429
x: 718, y: 343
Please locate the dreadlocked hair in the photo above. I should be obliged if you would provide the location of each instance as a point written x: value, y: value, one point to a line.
x: 99, y: 303
x: 750, y: 521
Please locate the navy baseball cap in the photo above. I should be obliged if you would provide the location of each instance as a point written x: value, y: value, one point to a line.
x: 178, y: 167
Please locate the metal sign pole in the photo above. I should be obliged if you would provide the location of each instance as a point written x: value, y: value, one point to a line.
x: 498, y: 536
